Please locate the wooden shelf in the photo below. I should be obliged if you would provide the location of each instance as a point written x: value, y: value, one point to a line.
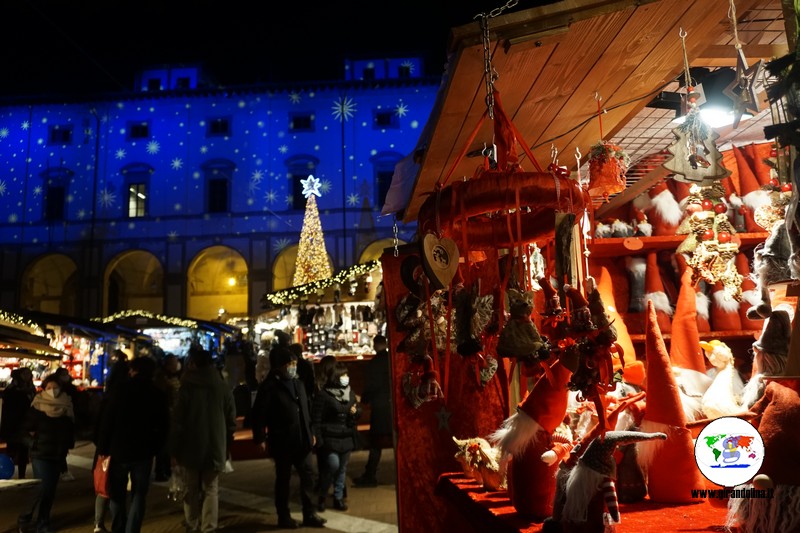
x: 620, y: 247
x: 710, y: 335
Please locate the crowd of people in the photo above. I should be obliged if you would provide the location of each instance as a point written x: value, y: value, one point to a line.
x: 161, y: 419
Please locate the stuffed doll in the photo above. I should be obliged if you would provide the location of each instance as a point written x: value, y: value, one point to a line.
x: 519, y: 337
x: 586, y: 497
x: 770, y: 265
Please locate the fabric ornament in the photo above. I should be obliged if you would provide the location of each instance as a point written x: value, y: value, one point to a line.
x: 608, y: 164
x: 662, y: 209
x: 654, y: 292
x: 519, y: 337
x: 525, y: 436
x: 777, y: 418
x: 751, y: 295
x: 724, y: 396
x: 590, y: 495
x: 670, y: 469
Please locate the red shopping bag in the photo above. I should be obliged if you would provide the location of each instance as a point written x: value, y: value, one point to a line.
x: 101, y: 475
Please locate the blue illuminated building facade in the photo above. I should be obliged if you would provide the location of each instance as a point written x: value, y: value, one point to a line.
x: 184, y: 198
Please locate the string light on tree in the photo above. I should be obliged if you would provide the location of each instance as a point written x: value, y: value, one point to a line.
x: 312, y: 257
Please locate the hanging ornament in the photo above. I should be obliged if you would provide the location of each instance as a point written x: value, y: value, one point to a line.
x: 608, y: 164
x: 742, y: 90
x: 695, y: 155
x: 710, y: 239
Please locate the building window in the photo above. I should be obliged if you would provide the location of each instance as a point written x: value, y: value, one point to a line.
x: 219, y: 127
x: 60, y: 135
x: 137, y: 200
x: 301, y: 122
x: 385, y: 120
x: 218, y: 195
x: 153, y: 85
x: 138, y: 130
x: 54, y: 203
x: 218, y: 176
x: 404, y: 72
x: 183, y: 83
x: 368, y: 74
x: 299, y: 168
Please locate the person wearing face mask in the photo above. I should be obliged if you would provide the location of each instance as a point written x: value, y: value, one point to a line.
x: 333, y: 422
x: 281, y: 422
x: 49, y: 428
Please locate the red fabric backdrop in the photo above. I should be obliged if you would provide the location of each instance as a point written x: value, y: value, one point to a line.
x: 425, y: 447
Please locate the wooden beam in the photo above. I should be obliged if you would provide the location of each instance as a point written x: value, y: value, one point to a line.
x: 719, y: 55
x: 644, y: 183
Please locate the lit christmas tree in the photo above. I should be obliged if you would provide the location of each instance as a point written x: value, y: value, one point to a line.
x: 312, y: 257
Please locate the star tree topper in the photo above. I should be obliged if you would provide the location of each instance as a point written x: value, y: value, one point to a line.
x: 311, y: 186
x: 742, y: 90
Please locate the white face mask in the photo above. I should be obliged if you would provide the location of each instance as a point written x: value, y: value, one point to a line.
x: 52, y: 393
x: 344, y: 381
x: 291, y: 372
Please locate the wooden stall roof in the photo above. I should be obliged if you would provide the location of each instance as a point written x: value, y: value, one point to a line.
x: 554, y: 62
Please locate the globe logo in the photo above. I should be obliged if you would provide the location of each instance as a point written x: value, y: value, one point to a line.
x: 729, y: 451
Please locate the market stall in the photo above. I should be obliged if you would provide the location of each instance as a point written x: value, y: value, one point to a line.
x: 561, y: 337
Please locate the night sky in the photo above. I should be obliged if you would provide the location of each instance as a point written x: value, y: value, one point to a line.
x: 53, y: 47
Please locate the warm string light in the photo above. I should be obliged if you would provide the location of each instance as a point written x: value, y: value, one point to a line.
x: 287, y: 296
x: 139, y: 313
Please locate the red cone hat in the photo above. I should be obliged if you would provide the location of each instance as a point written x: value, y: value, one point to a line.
x: 654, y: 291
x: 684, y: 349
x: 724, y: 310
x: 633, y: 372
x: 751, y: 296
x: 701, y: 301
x: 753, y: 196
x: 546, y: 403
x: 757, y: 153
x: 670, y: 467
x: 664, y: 213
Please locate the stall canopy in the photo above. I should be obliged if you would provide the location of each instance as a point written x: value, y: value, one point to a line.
x: 20, y: 344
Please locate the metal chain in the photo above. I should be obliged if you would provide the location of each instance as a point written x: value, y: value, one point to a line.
x: 395, y: 240
x: 489, y: 74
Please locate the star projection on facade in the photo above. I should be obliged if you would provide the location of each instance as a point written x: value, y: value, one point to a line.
x: 107, y: 198
x: 283, y: 148
x: 310, y: 186
x: 176, y: 164
x: 25, y: 125
x: 3, y: 188
x: 409, y: 65
x: 172, y: 235
x: 3, y: 133
x: 401, y: 110
x: 280, y: 244
x: 344, y: 108
x: 271, y: 196
x: 353, y: 199
x: 81, y: 214
x: 37, y: 191
x: 204, y: 149
x: 325, y: 186
x: 120, y: 154
x: 294, y: 97
x: 153, y: 147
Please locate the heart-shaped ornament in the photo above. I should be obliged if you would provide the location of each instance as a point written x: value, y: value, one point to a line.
x: 440, y: 260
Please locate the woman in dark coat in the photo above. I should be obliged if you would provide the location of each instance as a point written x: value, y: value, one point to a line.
x: 17, y: 400
x: 333, y: 421
x: 50, y: 429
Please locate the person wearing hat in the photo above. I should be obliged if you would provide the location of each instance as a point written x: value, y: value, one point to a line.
x: 770, y: 352
x: 282, y: 421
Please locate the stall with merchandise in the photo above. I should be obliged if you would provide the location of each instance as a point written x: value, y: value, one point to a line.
x: 562, y: 340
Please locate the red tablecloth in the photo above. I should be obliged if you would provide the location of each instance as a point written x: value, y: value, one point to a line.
x: 471, y: 508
